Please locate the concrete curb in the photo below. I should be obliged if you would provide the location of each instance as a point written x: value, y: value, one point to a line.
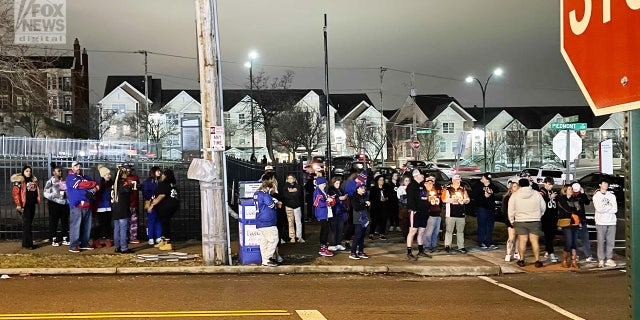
x: 434, y: 271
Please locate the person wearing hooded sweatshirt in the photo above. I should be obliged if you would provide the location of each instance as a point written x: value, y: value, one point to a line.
x: 526, y: 207
x: 26, y: 196
x: 103, y: 210
x: 455, y: 197
x: 292, y: 199
x: 484, y: 195
x: 339, y: 214
x: 266, y: 222
x: 322, y: 204
x: 81, y: 192
x: 54, y: 192
x: 583, y: 232
x: 120, y: 204
x: 604, y: 201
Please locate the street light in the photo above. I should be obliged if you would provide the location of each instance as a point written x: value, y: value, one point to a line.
x: 498, y: 72
x: 252, y: 56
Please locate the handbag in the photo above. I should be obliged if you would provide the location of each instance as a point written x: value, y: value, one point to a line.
x: 563, y: 223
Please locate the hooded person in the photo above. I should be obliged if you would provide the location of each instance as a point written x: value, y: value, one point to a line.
x: 526, y: 207
x: 103, y: 209
x: 484, y: 196
x: 121, y: 197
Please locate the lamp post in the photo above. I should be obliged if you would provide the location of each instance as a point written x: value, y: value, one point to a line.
x: 252, y: 56
x: 498, y: 72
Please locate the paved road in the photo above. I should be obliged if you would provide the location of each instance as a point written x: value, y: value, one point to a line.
x: 587, y: 295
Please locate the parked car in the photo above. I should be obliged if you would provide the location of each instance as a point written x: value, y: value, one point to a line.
x: 413, y: 164
x: 387, y: 172
x: 441, y: 178
x: 616, y: 184
x: 445, y: 168
x: 466, y: 165
x: 469, y: 183
x: 538, y: 175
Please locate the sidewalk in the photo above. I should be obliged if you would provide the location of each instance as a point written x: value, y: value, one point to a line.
x: 386, y: 256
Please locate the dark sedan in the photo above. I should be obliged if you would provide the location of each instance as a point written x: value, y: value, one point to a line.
x: 469, y: 183
x: 590, y: 184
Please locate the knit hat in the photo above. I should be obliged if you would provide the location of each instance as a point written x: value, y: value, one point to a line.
x: 576, y: 187
x: 456, y: 177
x: 104, y: 171
x: 362, y: 177
x: 360, y: 185
x: 321, y: 180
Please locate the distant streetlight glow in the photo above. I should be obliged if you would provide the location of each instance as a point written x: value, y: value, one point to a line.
x: 249, y: 64
x: 253, y: 55
x: 498, y: 72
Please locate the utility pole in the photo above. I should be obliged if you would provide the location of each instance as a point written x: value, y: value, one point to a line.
x: 212, y: 188
x: 326, y: 90
x: 414, y: 129
x: 383, y: 131
x: 146, y: 100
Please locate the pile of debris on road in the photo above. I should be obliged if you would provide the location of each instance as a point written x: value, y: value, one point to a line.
x: 168, y: 257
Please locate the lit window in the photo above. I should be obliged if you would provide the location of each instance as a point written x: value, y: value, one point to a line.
x: 126, y: 129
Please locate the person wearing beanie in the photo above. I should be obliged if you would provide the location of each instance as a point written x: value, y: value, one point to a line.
x: 103, y: 211
x: 120, y: 211
x: 360, y: 220
x: 418, y: 207
x: 323, y: 204
x: 55, y: 193
x: 526, y: 207
x: 26, y: 196
x: 484, y: 196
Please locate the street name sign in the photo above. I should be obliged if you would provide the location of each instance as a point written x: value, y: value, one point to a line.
x: 599, y: 43
x: 568, y: 126
x: 424, y: 131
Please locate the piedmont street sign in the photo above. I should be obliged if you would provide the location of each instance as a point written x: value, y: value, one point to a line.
x: 560, y: 145
x: 598, y: 40
x: 568, y: 126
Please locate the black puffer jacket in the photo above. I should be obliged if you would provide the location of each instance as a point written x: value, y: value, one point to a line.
x: 292, y: 195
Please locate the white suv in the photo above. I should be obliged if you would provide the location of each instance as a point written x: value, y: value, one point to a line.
x: 445, y: 168
x: 538, y: 175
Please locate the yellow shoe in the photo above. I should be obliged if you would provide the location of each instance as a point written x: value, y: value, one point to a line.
x: 160, y: 244
x: 166, y: 247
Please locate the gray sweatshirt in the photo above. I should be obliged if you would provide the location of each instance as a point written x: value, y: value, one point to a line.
x: 526, y: 205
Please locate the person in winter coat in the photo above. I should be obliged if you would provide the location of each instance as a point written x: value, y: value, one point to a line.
x: 339, y: 215
x: 26, y: 195
x: 550, y: 218
x: 604, y: 201
x: 292, y: 199
x: 484, y: 196
x: 380, y: 196
x: 435, y: 209
x: 120, y: 205
x: 81, y: 192
x: 568, y: 206
x: 403, y: 212
x: 266, y: 222
x: 360, y: 221
x: 525, y: 211
x: 134, y: 180
x: 103, y: 211
x: 583, y: 231
x: 323, y: 203
x: 149, y: 186
x: 55, y: 193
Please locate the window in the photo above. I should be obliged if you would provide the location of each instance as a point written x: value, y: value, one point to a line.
x: 52, y: 82
x: 443, y: 146
x: 126, y: 130
x: 171, y: 119
x: 66, y: 84
x: 241, y: 118
x: 4, y: 102
x: 454, y: 146
x: 227, y: 118
x: 67, y: 118
x: 118, y: 108
x: 113, y: 129
x: 1, y: 119
x: 60, y: 102
x: 67, y: 103
x: 4, y: 85
x: 19, y: 101
x: 448, y: 127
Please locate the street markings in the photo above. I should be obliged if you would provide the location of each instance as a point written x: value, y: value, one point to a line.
x: 310, y: 315
x: 146, y: 314
x: 536, y: 299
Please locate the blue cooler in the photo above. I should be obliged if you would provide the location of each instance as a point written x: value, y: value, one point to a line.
x: 249, y: 242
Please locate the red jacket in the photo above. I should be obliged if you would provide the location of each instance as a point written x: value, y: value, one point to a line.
x: 19, y: 190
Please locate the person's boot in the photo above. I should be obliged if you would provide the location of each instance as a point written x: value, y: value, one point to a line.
x: 160, y: 244
x: 166, y: 246
x: 565, y: 259
x: 574, y: 262
x: 96, y: 244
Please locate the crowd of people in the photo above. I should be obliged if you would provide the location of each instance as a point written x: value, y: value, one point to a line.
x: 364, y: 203
x: 85, y: 214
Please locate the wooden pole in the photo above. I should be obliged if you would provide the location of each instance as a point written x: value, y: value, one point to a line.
x: 214, y: 220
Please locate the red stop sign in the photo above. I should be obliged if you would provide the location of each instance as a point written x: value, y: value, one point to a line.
x: 415, y: 145
x: 598, y: 40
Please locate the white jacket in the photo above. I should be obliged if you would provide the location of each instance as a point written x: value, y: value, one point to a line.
x: 606, y: 208
x: 526, y: 205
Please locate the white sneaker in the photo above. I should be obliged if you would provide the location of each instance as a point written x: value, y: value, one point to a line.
x: 553, y: 258
x: 55, y: 244
x: 282, y: 241
x: 332, y: 248
x: 301, y: 240
x: 151, y: 243
x: 65, y: 243
x: 391, y: 228
x: 600, y: 263
x: 340, y: 247
x: 516, y: 255
x: 398, y: 229
x: 507, y: 258
x: 590, y: 259
x: 610, y: 263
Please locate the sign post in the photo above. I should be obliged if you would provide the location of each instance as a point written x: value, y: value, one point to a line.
x: 570, y: 151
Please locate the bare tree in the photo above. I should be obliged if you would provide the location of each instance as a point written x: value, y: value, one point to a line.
x: 365, y: 135
x: 290, y: 137
x: 495, y: 147
x: 429, y: 142
x: 515, y: 141
x: 272, y: 100
x: 396, y: 138
x: 314, y: 134
x: 159, y: 131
